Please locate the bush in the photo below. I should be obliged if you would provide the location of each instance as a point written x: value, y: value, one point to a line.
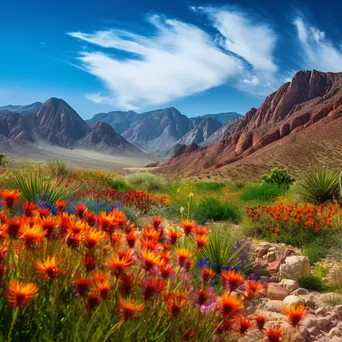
x: 212, y: 209
x: 315, y: 252
x: 319, y: 185
x: 208, y: 187
x: 312, y: 283
x: 146, y: 180
x: 279, y: 177
x: 264, y: 192
x: 59, y: 168
x: 116, y: 184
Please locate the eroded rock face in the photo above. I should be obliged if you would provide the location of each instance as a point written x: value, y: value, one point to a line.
x: 295, y: 267
x: 184, y: 149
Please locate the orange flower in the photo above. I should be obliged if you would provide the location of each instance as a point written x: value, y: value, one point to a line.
x: 80, y: 210
x: 49, y: 225
x: 244, y: 325
x: 102, y: 284
x: 49, y: 267
x: 32, y: 235
x: 89, y: 263
x: 93, y: 301
x: 126, y: 283
x: 166, y: 271
x: 10, y: 197
x: 119, y: 263
x: 231, y: 279
x: 207, y: 274
x: 118, y: 218
x: 82, y: 286
x: 149, y: 244
x: 91, y: 218
x: 156, y: 222
x: 91, y: 238
x: 151, y: 259
x: 274, y: 334
x: 175, y: 301
x: 78, y: 227
x: 129, y: 308
x: 20, y: 294
x: 43, y: 212
x: 29, y: 208
x: 295, y: 314
x: 188, y: 226
x: 202, y: 230
x: 253, y: 288
x: 202, y: 296
x: 201, y: 240
x: 104, y: 222
x: 61, y: 205
x: 131, y: 237
x: 13, y: 227
x: 183, y: 256
x: 73, y: 240
x: 229, y: 304
x: 174, y: 235
x: 260, y: 321
x: 152, y: 286
x: 151, y: 233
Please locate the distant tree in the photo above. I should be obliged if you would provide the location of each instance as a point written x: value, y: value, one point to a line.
x: 3, y: 160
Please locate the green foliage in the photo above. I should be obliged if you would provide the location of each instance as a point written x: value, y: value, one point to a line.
x: 319, y: 185
x: 312, y: 283
x: 146, y: 180
x: 239, y: 184
x: 212, y: 209
x: 34, y: 187
x: 116, y: 184
x: 223, y: 249
x: 315, y: 252
x: 203, y: 187
x: 264, y: 192
x: 333, y: 299
x: 59, y: 168
x: 3, y: 160
x: 279, y: 177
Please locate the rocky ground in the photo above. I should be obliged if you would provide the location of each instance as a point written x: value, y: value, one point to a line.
x: 282, y: 267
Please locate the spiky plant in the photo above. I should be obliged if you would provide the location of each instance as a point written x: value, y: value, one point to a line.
x: 319, y: 185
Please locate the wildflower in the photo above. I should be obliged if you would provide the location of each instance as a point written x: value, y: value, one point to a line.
x: 149, y: 244
x: 13, y: 227
x: 202, y: 296
x: 201, y: 240
x: 102, y: 284
x: 29, y: 208
x: 91, y: 238
x: 295, y: 314
x: 183, y: 256
x: 119, y: 262
x: 207, y: 274
x: 20, y: 294
x: 181, y: 210
x: 151, y: 259
x: 129, y: 308
x: 175, y: 301
x: 80, y: 210
x: 61, y: 205
x: 82, y: 286
x: 49, y: 225
x: 260, y: 321
x: 131, y: 238
x: 118, y: 218
x: 89, y: 263
x: 202, y: 230
x: 274, y: 334
x: 32, y: 235
x: 104, y: 222
x: 229, y: 304
x: 253, y: 288
x: 188, y: 335
x: 3, y: 252
x: 166, y: 271
x: 188, y: 226
x: 191, y: 195
x: 43, y: 212
x: 126, y: 283
x: 91, y: 218
x: 10, y: 197
x: 156, y: 222
x: 152, y: 287
x: 231, y: 279
x: 174, y: 235
x: 244, y: 325
x: 93, y: 301
x: 49, y: 267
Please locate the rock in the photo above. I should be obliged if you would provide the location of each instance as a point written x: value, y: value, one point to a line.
x: 261, y: 251
x: 293, y: 300
x: 289, y: 284
x: 334, y: 332
x: 323, y: 322
x: 310, y: 302
x: 300, y: 292
x: 295, y: 267
x: 274, y: 305
x: 270, y: 257
x: 336, y: 339
x: 314, y: 330
x: 321, y: 311
x: 276, y: 291
x: 310, y: 322
x: 339, y: 325
x: 338, y: 309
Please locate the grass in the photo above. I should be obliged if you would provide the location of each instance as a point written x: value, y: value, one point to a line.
x: 146, y: 180
x: 312, y: 283
x: 261, y: 193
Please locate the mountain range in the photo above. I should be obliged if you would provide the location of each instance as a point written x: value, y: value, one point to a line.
x: 298, y: 126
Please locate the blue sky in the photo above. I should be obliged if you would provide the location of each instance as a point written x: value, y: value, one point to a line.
x: 199, y: 56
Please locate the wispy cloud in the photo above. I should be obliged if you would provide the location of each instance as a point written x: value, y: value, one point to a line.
x: 318, y: 51
x: 179, y: 60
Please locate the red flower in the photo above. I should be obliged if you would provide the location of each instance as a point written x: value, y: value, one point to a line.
x: 295, y: 314
x: 93, y: 301
x: 188, y: 226
x: 49, y: 267
x: 10, y: 197
x: 80, y: 210
x: 29, y: 208
x: 89, y: 263
x: 61, y: 205
x: 175, y: 301
x: 231, y: 279
x: 82, y: 286
x: 129, y: 308
x: 207, y: 275
x: 20, y: 294
x: 152, y: 287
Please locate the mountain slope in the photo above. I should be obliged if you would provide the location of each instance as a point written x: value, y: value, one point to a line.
x: 311, y: 100
x: 23, y: 110
x: 223, y: 118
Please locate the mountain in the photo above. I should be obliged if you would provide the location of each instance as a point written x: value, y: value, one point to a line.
x: 57, y: 124
x: 23, y: 110
x: 307, y: 110
x: 119, y: 120
x: 223, y: 118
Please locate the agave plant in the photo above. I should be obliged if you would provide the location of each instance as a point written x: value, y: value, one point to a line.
x: 320, y: 185
x: 35, y: 187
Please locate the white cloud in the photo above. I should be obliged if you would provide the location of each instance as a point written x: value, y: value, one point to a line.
x: 180, y: 60
x: 318, y: 51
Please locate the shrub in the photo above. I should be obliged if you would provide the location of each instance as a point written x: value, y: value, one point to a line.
x: 208, y: 187
x: 212, y: 209
x: 116, y: 184
x: 279, y: 177
x: 34, y: 187
x: 264, y: 192
x: 239, y: 184
x: 315, y: 252
x: 3, y: 160
x: 312, y: 283
x: 59, y: 168
x: 319, y: 185
x: 146, y: 180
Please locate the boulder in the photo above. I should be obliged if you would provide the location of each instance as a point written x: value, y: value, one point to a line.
x: 276, y: 291
x: 300, y: 292
x: 334, y: 332
x: 293, y: 300
x: 289, y: 284
x: 274, y: 306
x: 295, y: 267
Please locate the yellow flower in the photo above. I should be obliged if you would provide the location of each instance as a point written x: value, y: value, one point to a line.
x: 179, y: 189
x: 191, y: 195
x: 181, y: 209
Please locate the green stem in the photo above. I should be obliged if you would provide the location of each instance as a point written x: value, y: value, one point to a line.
x: 14, y: 318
